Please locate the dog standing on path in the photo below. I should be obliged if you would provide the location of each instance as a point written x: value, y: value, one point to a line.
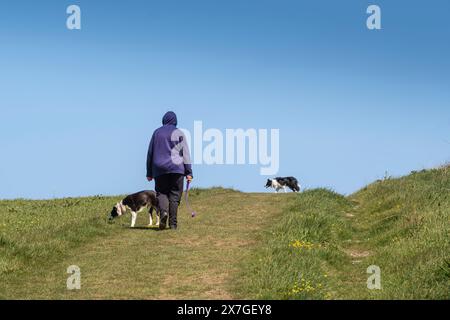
x: 137, y: 202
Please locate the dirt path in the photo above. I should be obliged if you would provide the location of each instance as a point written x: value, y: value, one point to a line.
x: 199, y: 261
x: 351, y: 276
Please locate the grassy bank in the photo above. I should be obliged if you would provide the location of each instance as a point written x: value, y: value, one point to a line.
x: 323, y: 244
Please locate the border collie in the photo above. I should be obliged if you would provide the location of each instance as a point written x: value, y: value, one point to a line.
x: 281, y: 183
x: 137, y: 202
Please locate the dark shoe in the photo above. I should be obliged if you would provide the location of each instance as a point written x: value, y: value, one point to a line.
x: 173, y: 227
x: 163, y: 220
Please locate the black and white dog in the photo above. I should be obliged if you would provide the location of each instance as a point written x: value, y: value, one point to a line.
x: 281, y: 183
x: 137, y: 202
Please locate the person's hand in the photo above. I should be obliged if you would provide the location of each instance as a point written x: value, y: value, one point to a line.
x: 149, y: 178
x: 189, y: 178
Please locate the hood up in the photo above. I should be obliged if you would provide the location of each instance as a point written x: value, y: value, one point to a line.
x: 170, y: 118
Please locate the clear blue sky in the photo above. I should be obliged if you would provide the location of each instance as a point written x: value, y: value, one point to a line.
x: 78, y: 107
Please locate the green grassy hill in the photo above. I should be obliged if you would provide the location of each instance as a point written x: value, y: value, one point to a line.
x: 312, y: 245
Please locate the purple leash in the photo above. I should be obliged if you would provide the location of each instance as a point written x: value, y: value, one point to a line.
x: 186, y: 198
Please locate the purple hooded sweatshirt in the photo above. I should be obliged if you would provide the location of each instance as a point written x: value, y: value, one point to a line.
x: 168, y: 151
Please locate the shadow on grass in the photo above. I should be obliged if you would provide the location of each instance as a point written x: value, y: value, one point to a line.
x: 152, y: 228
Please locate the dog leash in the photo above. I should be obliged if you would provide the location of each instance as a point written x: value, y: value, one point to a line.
x: 186, y: 198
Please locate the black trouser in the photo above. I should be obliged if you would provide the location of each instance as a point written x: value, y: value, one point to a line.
x: 170, y: 189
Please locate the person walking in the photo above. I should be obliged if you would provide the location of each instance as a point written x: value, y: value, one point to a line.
x: 168, y: 162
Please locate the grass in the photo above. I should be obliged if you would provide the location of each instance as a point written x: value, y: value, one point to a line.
x: 323, y: 244
x: 406, y: 223
x: 36, y: 231
x: 301, y: 250
x: 313, y: 245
